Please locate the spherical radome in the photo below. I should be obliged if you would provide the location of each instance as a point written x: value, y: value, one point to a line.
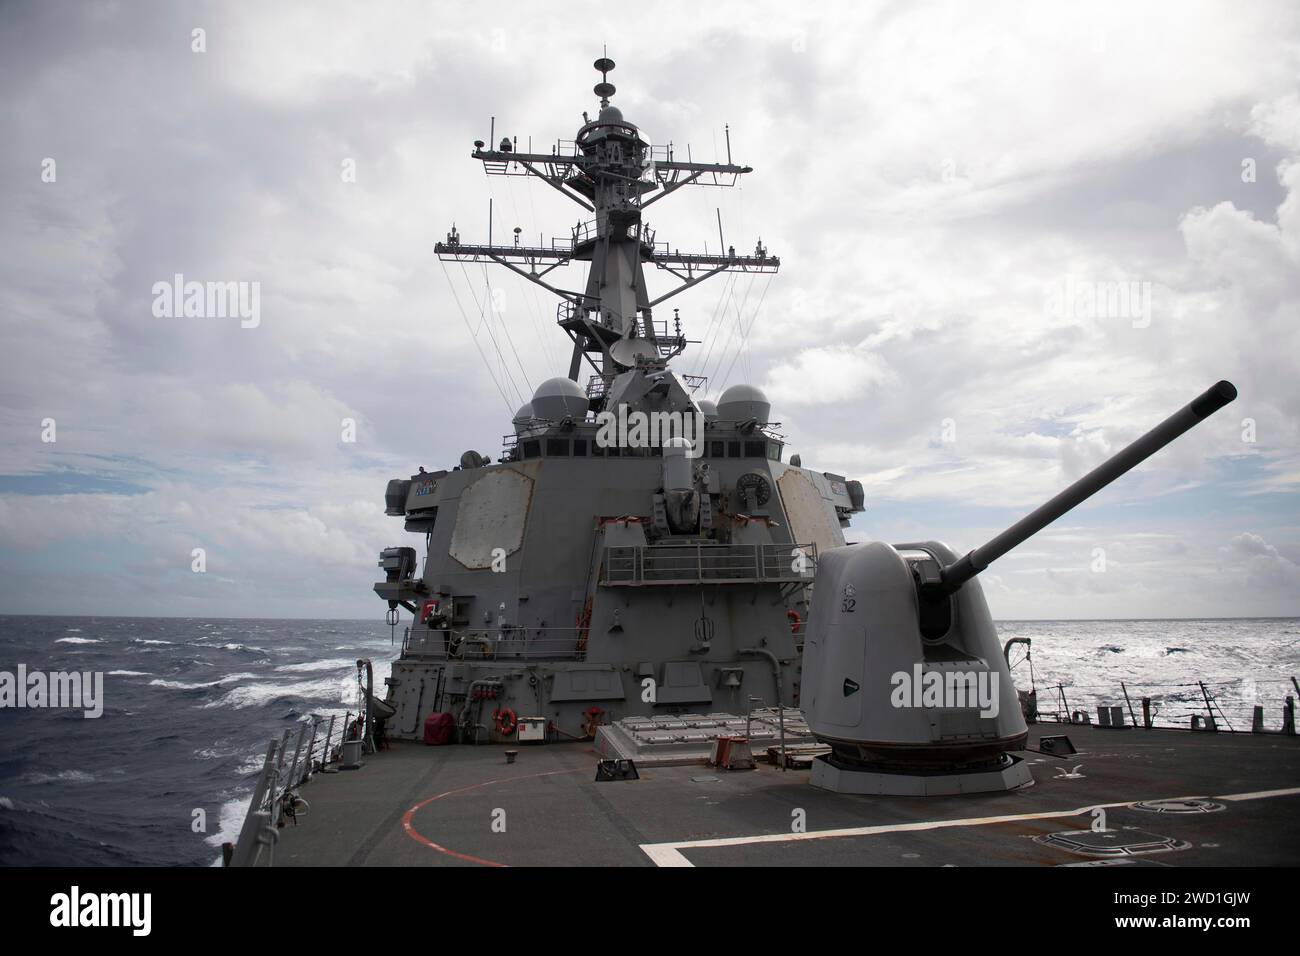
x: 558, y: 398
x: 742, y: 402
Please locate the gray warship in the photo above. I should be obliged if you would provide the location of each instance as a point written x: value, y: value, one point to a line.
x: 639, y: 633
x: 633, y: 547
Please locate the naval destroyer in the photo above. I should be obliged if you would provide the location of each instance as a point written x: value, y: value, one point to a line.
x: 644, y: 582
x: 634, y: 547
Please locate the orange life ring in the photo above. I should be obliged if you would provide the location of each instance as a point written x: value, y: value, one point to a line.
x: 506, y: 721
x: 795, y: 620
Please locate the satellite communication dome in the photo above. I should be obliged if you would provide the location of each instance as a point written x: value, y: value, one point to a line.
x: 523, y: 416
x: 559, y: 398
x: 611, y: 114
x: 708, y: 409
x: 742, y: 402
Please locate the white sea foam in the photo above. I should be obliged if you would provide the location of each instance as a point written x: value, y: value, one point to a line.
x: 336, y: 690
x: 128, y: 673
x: 230, y: 820
x: 336, y: 664
x: 182, y: 685
x: 78, y: 640
x: 241, y: 647
x: 63, y: 776
x: 254, y: 695
x: 251, y: 765
x: 212, y: 753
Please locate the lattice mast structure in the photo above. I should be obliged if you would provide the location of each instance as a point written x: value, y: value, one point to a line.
x: 614, y: 174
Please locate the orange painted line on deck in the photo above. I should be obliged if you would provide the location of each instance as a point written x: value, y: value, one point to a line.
x: 419, y: 837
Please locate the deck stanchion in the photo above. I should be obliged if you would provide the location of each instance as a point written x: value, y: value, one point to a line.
x: 329, y: 734
x: 1127, y: 700
x: 311, y: 745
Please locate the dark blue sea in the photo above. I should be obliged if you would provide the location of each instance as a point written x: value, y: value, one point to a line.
x: 191, y: 704
x: 189, y: 708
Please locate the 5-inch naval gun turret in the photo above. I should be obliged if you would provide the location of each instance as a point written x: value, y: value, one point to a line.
x: 903, y: 672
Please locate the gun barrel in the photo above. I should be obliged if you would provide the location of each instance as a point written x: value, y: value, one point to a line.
x: 1209, y: 402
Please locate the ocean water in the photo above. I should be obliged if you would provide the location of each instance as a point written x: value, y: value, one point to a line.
x: 1241, y: 662
x: 191, y: 704
x: 189, y: 708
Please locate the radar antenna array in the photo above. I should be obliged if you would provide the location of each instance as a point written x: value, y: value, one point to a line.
x: 609, y: 170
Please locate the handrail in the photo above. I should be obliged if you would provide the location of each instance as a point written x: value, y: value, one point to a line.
x: 1176, y: 703
x: 702, y: 563
x: 255, y: 845
x: 510, y: 642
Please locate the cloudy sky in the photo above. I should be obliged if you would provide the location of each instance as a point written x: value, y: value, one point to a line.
x: 957, y: 192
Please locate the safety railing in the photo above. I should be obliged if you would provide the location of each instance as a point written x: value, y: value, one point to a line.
x: 502, y: 643
x: 1231, y: 705
x: 700, y: 563
x: 568, y: 312
x: 275, y: 795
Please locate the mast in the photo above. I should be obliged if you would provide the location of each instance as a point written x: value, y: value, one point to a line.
x: 613, y: 174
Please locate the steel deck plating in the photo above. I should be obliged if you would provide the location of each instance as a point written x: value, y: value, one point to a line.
x: 422, y: 806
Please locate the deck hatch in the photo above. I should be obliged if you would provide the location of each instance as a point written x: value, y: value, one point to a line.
x: 1111, y: 843
x: 1194, y: 805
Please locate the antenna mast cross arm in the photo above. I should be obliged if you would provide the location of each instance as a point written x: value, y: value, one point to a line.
x: 611, y: 170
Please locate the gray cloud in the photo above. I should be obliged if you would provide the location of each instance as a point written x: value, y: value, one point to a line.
x: 929, y: 176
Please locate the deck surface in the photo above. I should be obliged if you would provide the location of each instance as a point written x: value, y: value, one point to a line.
x: 446, y: 806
